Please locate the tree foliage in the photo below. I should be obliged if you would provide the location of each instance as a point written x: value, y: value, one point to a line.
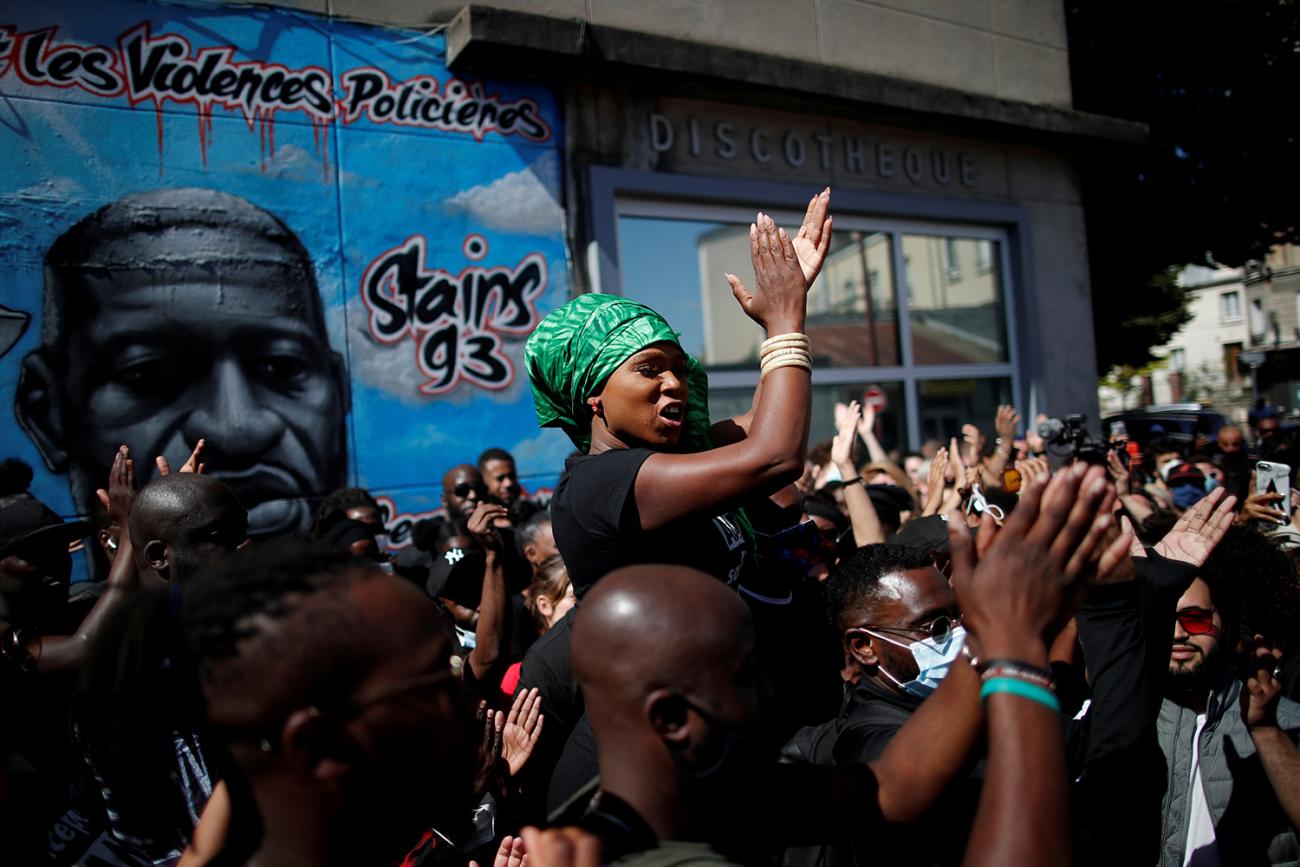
x: 1213, y: 80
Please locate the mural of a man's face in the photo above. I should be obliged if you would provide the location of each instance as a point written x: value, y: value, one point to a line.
x: 183, y: 314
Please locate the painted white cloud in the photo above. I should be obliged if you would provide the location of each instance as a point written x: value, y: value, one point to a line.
x: 543, y: 453
x: 521, y: 202
x: 388, y: 367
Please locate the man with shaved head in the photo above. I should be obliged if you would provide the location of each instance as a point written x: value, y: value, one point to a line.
x: 675, y: 708
x: 181, y: 523
x: 664, y: 657
x: 462, y: 490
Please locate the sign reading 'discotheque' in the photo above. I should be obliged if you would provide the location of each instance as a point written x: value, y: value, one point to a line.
x: 692, y: 135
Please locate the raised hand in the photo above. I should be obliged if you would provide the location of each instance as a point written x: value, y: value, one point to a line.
x: 1260, y: 507
x: 1032, y: 439
x: 121, y: 491
x: 1016, y: 596
x: 1200, y: 528
x: 867, y: 426
x: 814, y: 237
x: 972, y: 444
x: 522, y: 729
x: 1034, y: 469
x: 937, y: 483
x: 1260, y: 670
x: 190, y: 466
x: 1122, y: 546
x: 779, y: 300
x: 842, y: 445
x: 1005, y: 424
x: 482, y: 527
x: 1119, y: 474
x: 490, y: 753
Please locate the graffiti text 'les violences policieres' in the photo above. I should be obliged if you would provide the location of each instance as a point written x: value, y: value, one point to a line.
x: 457, y: 321
x: 166, y: 68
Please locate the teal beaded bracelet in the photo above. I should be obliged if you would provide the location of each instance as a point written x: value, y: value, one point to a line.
x: 1022, y: 688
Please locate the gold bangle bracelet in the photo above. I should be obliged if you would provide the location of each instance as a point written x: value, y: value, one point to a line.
x: 794, y: 338
x: 777, y: 354
x: 785, y: 362
x: 784, y: 353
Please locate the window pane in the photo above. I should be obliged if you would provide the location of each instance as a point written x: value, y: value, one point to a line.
x: 947, y: 404
x: 954, y: 296
x: 840, y: 304
x: 676, y: 267
x: 890, y: 424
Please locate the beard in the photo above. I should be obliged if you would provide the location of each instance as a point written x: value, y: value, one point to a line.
x: 1198, y: 674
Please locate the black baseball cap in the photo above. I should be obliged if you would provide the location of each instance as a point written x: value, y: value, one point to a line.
x: 457, y: 574
x: 24, y: 519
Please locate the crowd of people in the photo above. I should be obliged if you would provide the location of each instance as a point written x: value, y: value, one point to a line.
x: 717, y: 643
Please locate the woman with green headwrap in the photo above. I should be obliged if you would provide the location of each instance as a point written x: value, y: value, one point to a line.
x: 655, y: 483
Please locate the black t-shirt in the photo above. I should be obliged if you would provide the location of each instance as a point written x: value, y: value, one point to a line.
x: 598, y: 530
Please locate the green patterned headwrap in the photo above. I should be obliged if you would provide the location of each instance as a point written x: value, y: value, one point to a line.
x: 577, y: 346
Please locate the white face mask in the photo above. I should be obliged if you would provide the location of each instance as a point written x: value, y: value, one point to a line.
x: 933, y: 660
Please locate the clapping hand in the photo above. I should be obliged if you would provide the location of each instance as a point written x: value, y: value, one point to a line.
x: 814, y: 237
x: 846, y: 423
x: 119, y: 496
x: 779, y: 298
x: 1034, y: 571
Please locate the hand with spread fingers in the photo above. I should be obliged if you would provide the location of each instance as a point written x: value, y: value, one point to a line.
x: 192, y: 465
x: 1201, y: 527
x: 522, y: 729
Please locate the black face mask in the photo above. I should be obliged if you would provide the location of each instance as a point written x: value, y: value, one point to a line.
x: 741, y: 751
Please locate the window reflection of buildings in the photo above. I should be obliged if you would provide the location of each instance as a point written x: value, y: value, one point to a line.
x: 954, y: 300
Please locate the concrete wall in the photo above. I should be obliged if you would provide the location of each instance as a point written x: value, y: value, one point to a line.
x: 1010, y: 49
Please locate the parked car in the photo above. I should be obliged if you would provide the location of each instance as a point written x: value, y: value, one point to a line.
x: 1183, y: 422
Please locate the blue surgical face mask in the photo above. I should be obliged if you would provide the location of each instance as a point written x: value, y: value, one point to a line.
x: 1210, y: 483
x: 932, y: 661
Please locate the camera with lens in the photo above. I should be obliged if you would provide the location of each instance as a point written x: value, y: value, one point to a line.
x: 1069, y: 434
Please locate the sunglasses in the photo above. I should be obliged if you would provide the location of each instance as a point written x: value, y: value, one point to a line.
x: 464, y: 488
x: 1197, y: 621
x: 940, y: 628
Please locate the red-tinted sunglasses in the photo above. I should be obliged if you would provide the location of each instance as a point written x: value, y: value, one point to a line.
x: 1197, y: 621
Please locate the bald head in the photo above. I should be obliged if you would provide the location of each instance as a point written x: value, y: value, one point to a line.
x: 647, y: 627
x: 181, y: 521
x: 462, y: 490
x: 665, y: 659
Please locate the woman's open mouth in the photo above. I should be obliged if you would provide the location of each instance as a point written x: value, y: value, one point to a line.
x: 673, y: 414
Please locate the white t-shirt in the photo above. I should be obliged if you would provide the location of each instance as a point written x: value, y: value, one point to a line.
x: 1201, y: 849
